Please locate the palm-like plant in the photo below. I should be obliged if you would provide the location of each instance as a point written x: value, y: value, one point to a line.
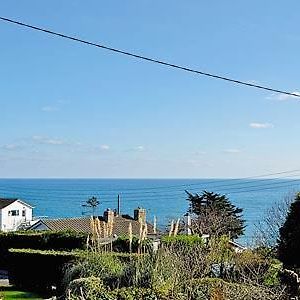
x: 92, y: 203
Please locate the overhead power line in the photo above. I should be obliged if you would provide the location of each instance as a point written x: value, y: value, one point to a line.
x: 162, y: 197
x: 155, y: 195
x: 201, y: 184
x: 149, y: 59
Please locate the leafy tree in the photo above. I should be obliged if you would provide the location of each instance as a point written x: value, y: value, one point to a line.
x: 289, y: 236
x: 92, y: 203
x: 215, y: 215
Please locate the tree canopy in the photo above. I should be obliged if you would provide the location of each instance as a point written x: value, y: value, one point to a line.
x: 289, y: 236
x: 92, y: 203
x: 215, y: 215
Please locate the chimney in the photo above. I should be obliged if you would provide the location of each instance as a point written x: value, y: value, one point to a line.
x: 140, y: 215
x: 109, y: 215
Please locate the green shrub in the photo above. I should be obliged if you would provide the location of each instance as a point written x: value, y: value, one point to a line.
x: 133, y: 293
x: 182, y: 240
x: 122, y: 244
x: 43, y: 240
x: 271, y: 277
x: 110, y: 268
x: 39, y: 270
x: 91, y: 288
x: 214, y: 288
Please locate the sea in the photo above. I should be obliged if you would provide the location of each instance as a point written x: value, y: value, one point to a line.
x: 166, y: 199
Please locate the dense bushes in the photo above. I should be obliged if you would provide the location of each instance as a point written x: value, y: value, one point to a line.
x: 39, y: 270
x: 45, y: 240
x: 182, y: 240
x: 92, y: 288
x: 89, y: 288
x: 180, y: 272
x: 108, y: 267
x: 215, y: 288
x: 122, y: 244
x: 182, y: 269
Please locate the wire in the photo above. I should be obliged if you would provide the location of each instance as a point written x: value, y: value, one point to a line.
x: 148, y: 59
x: 155, y: 189
x: 81, y: 194
x: 265, y: 189
x: 160, y: 197
x: 259, y: 185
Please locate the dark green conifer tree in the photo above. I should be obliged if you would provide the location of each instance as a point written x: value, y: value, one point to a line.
x: 214, y: 214
x: 289, y: 236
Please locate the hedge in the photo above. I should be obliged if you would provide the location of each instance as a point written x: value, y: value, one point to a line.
x: 39, y: 270
x: 182, y: 240
x: 46, y: 240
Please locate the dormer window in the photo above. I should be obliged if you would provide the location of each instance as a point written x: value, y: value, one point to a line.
x: 13, y: 213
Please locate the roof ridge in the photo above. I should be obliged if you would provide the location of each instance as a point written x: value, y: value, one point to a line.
x: 66, y: 218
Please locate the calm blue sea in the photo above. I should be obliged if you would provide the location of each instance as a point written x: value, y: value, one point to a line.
x: 164, y: 198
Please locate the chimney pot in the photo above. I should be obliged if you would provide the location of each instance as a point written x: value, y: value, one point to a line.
x: 109, y: 215
x: 140, y: 215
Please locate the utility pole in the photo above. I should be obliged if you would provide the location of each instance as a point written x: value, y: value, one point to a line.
x: 119, y: 204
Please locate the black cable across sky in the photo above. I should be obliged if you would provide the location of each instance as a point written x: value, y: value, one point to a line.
x: 143, y: 193
x: 211, y: 184
x: 149, y: 59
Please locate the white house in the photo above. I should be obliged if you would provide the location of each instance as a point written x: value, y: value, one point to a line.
x: 14, y: 213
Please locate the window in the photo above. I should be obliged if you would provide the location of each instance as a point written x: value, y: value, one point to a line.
x: 13, y: 213
x: 23, y: 213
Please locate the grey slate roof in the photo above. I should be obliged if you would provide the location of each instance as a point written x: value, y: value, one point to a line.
x: 120, y: 225
x: 6, y: 201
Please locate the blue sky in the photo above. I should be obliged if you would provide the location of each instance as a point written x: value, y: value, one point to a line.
x: 69, y: 110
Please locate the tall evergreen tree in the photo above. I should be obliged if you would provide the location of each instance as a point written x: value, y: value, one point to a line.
x: 289, y: 236
x: 214, y: 214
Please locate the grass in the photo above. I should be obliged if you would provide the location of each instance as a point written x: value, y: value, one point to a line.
x: 9, y: 293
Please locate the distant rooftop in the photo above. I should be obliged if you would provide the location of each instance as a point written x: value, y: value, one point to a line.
x: 6, y: 201
x: 120, y: 227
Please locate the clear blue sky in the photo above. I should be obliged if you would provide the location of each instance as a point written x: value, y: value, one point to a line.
x: 69, y: 110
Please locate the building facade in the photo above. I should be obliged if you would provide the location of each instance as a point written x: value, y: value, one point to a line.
x: 14, y: 213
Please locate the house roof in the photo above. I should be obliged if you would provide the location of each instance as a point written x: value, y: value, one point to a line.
x: 4, y: 202
x: 237, y: 245
x: 120, y: 225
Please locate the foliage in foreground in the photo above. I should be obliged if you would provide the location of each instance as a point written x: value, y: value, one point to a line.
x: 39, y: 270
x: 289, y: 240
x: 42, y: 240
x: 177, y: 272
